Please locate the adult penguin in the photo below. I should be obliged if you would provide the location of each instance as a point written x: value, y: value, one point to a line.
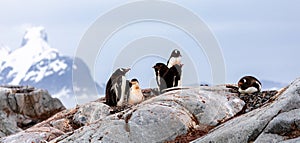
x: 117, y: 88
x: 173, y: 76
x: 249, y: 85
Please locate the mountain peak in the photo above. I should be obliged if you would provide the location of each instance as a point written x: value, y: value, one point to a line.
x: 34, y: 33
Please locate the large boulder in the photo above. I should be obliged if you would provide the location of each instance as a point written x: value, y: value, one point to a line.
x: 173, y: 114
x: 161, y: 118
x: 22, y: 107
x: 158, y: 119
x: 275, y: 122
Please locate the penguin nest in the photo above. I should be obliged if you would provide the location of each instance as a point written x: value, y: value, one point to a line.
x: 256, y: 100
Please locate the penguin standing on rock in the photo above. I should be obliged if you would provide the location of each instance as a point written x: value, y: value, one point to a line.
x: 167, y: 77
x: 173, y: 75
x: 136, y: 96
x: 117, y: 88
x: 174, y: 59
x: 160, y: 70
x: 249, y: 85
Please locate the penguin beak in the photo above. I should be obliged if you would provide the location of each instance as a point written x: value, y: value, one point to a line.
x: 126, y: 70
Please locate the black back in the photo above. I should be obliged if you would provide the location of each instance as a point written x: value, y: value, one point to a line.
x: 160, y: 70
x: 168, y: 77
x: 173, y: 76
x: 111, y: 96
x: 248, y: 81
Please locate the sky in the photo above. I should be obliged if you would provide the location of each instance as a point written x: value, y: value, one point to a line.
x: 255, y: 37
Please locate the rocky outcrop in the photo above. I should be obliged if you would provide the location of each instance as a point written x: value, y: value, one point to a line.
x: 22, y: 107
x: 211, y: 114
x: 158, y: 119
x: 274, y: 122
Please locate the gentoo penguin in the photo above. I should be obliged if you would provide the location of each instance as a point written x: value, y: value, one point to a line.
x: 117, y: 88
x: 174, y: 59
x: 167, y: 78
x: 173, y: 75
x: 160, y: 70
x: 136, y: 96
x: 249, y: 85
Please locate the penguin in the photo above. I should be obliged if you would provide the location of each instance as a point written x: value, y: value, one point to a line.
x: 117, y: 88
x: 249, y: 85
x: 160, y: 70
x: 173, y: 76
x: 136, y: 96
x: 174, y: 59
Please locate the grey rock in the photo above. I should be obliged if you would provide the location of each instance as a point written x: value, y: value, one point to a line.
x: 7, y: 125
x: 22, y: 107
x: 161, y: 118
x: 271, y: 117
x: 91, y: 112
x: 281, y: 127
x: 295, y: 140
x: 33, y: 135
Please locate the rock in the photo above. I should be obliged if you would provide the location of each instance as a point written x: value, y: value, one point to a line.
x: 33, y: 135
x: 91, y: 112
x: 214, y: 113
x: 274, y: 122
x: 7, y: 125
x: 159, y: 119
x: 284, y: 126
x: 21, y: 107
x: 62, y: 123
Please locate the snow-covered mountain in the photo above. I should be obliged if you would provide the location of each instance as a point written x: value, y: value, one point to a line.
x: 36, y: 64
x: 4, y: 52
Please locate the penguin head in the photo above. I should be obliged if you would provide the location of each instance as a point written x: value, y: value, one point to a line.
x: 134, y: 81
x: 121, y: 71
x: 135, y: 84
x: 175, y: 53
x: 160, y: 67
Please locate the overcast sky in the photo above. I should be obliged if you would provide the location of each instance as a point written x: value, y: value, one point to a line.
x: 256, y: 37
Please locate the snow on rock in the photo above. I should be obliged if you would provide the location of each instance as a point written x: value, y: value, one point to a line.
x: 37, y: 64
x: 4, y: 52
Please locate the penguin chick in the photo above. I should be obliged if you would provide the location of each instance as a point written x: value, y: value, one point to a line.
x: 136, y: 96
x: 174, y: 59
x: 160, y: 70
x: 249, y: 85
x: 117, y: 88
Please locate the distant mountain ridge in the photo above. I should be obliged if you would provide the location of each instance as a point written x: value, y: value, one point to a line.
x: 37, y: 64
x: 269, y: 85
